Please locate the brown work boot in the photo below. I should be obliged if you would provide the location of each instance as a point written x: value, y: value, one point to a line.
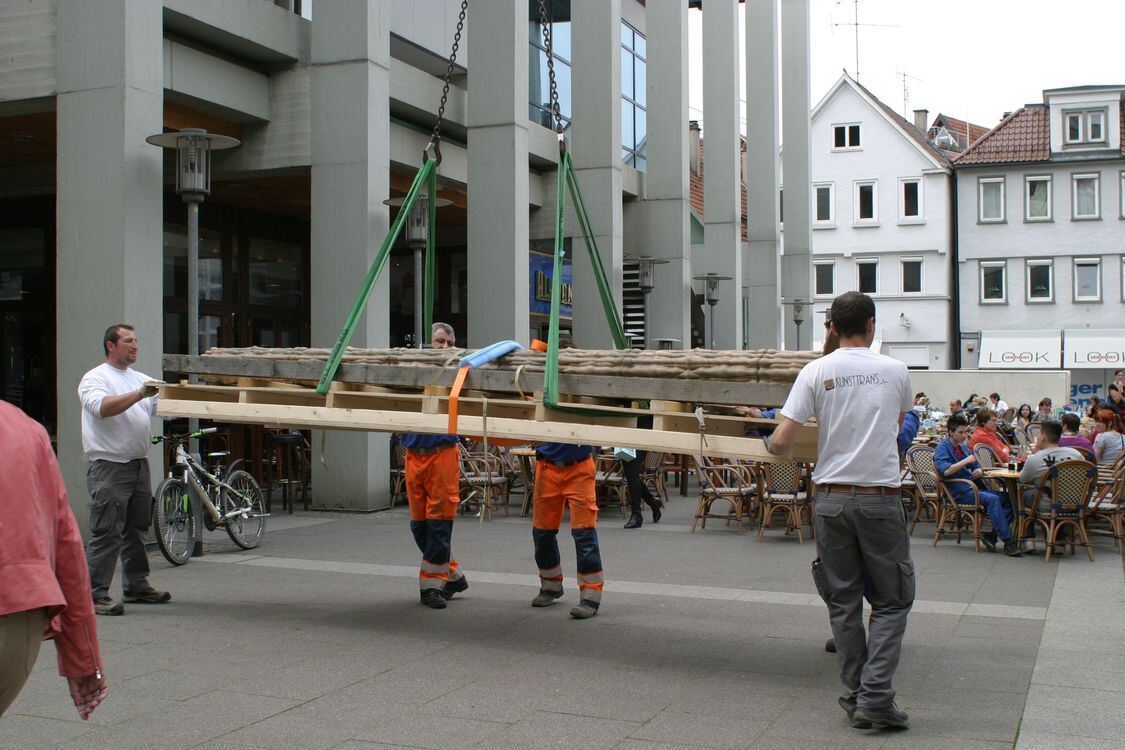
x: 107, y: 606
x: 149, y: 596
x: 546, y: 598
x: 583, y: 611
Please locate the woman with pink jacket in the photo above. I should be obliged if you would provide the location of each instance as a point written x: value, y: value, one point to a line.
x: 44, y: 583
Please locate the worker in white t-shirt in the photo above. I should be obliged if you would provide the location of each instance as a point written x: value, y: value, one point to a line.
x: 858, y: 398
x: 116, y: 408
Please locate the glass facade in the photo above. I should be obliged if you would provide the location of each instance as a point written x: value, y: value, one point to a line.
x: 538, y: 74
x: 634, y: 103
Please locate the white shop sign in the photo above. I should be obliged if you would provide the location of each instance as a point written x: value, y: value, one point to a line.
x: 1020, y: 350
x: 1094, y: 349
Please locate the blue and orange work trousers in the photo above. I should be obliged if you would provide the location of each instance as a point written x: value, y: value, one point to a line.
x: 432, y: 482
x: 557, y: 487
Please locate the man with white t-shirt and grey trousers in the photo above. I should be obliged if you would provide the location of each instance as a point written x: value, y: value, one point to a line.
x: 116, y: 408
x: 859, y: 398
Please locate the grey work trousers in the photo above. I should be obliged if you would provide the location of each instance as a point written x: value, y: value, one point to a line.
x: 863, y: 545
x: 21, y: 634
x: 120, y: 514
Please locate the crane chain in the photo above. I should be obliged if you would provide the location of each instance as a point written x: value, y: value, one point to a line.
x: 556, y: 113
x: 435, y: 137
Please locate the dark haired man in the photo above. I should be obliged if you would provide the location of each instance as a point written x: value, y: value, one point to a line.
x: 116, y: 408
x: 1071, y: 424
x: 1045, y: 454
x: 860, y: 523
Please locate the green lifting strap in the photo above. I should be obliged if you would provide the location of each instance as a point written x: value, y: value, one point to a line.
x: 431, y: 271
x: 426, y: 175
x: 567, y: 180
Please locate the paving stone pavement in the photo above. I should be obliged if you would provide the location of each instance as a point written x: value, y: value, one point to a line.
x: 705, y: 640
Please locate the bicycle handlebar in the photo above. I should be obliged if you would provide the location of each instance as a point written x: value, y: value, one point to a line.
x: 185, y: 436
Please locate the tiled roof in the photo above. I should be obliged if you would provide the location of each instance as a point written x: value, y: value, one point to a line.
x: 1023, y: 136
x: 965, y: 132
x: 695, y: 183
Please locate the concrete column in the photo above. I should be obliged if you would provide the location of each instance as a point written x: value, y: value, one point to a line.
x: 796, y: 263
x: 109, y: 204
x: 350, y: 162
x: 596, y: 148
x: 660, y: 224
x: 762, y: 109
x: 722, y: 199
x: 498, y: 178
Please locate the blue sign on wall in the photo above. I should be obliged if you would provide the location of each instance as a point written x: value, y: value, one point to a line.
x: 540, y: 266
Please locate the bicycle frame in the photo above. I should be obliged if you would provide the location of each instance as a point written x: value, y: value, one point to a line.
x: 194, y: 474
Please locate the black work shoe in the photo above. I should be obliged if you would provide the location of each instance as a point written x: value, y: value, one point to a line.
x: 1012, y: 548
x: 455, y: 587
x: 655, y: 511
x: 830, y: 645
x: 107, y: 606
x: 546, y: 598
x: 151, y: 596
x: 849, y: 709
x: 988, y: 539
x: 892, y: 717
x: 634, y: 521
x: 433, y: 599
x: 583, y: 611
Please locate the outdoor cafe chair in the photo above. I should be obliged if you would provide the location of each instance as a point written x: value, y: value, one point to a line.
x: 785, y: 486
x: 652, y: 472
x: 954, y: 516
x: 724, y: 482
x: 1107, y: 501
x: 1060, y: 502
x: 483, y: 481
x: 398, y: 471
x: 1032, y: 431
x: 927, y: 496
x: 609, y: 480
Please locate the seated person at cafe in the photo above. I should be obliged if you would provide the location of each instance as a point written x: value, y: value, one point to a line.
x: 1071, y: 423
x: 985, y: 434
x: 1110, y: 443
x: 955, y: 406
x: 1044, y: 413
x: 1046, y: 453
x: 997, y: 404
x: 954, y: 460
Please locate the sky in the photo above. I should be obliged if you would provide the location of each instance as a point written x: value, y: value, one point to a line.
x: 972, y: 59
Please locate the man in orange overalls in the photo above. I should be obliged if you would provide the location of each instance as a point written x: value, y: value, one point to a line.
x: 432, y: 483
x: 564, y: 476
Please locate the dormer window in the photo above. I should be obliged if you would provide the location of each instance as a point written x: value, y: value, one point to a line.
x: 845, y: 136
x: 1084, y: 127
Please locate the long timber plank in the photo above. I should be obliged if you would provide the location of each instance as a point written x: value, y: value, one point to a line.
x: 488, y: 379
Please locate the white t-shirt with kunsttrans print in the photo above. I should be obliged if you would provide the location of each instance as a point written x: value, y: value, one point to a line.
x: 857, y: 397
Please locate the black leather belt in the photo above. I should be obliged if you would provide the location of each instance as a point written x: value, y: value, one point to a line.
x: 430, y: 451
x: 856, y: 489
x: 561, y: 465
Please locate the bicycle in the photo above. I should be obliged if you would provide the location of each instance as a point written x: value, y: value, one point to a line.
x: 234, y: 502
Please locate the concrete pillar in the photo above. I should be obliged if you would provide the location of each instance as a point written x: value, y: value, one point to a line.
x: 722, y: 199
x: 109, y: 204
x: 796, y: 263
x: 761, y: 270
x: 661, y: 223
x: 596, y: 148
x: 498, y: 179
x: 350, y: 161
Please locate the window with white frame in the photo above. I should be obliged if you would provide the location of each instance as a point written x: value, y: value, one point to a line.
x: 824, y: 277
x: 993, y: 282
x: 825, y: 205
x: 911, y: 275
x: 845, y: 136
x: 1037, y: 198
x: 1084, y: 196
x: 910, y: 199
x: 1083, y: 127
x: 1040, y: 284
x: 990, y: 199
x: 1087, y: 279
x: 865, y: 202
x: 867, y: 275
x: 1121, y: 199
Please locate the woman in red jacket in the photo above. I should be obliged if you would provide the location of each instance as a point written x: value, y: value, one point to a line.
x: 985, y: 434
x: 44, y: 582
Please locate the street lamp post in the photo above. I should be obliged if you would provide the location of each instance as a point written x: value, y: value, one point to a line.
x: 798, y: 306
x: 417, y: 234
x: 712, y: 297
x: 193, y: 148
x: 646, y: 279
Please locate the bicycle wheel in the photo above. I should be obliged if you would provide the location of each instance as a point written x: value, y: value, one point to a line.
x: 173, y: 519
x: 246, y: 528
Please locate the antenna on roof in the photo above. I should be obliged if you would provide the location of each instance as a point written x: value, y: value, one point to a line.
x: 855, y: 24
x: 906, y: 90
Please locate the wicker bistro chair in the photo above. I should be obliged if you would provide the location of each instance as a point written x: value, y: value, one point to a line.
x: 1108, y: 501
x: 785, y: 486
x: 653, y: 475
x: 927, y: 495
x: 609, y: 481
x: 483, y: 482
x: 398, y: 471
x: 1060, y: 502
x: 1022, y: 440
x: 1032, y: 432
x: 953, y: 516
x: 728, y: 482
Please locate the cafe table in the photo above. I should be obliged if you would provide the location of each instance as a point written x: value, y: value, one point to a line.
x: 1010, y: 478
